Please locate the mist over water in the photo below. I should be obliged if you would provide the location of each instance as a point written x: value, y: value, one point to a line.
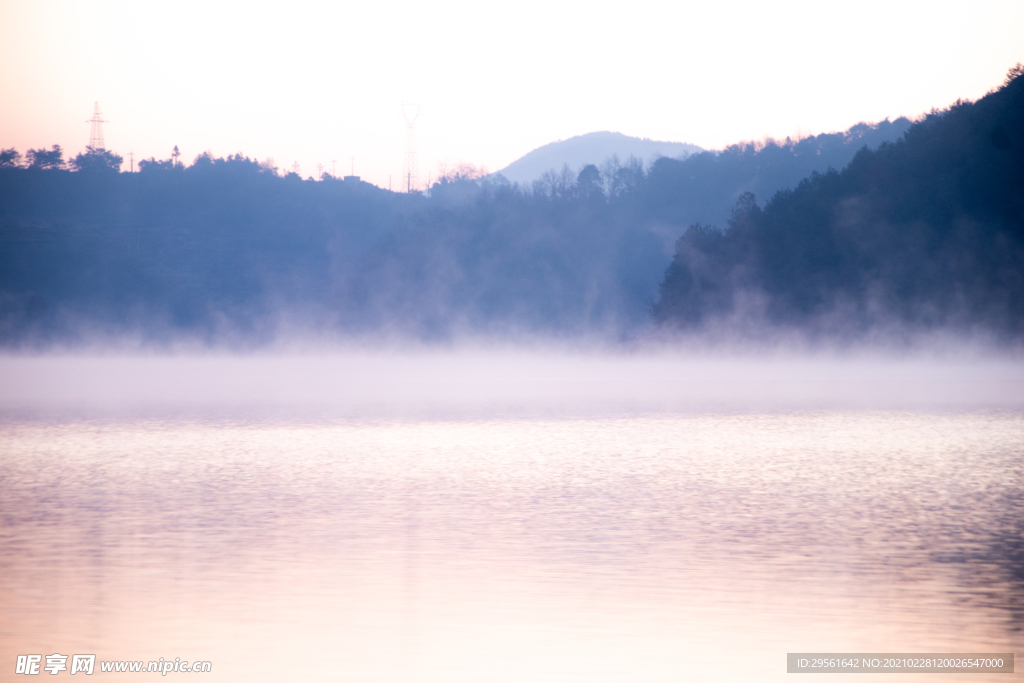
x: 507, y: 514
x: 479, y: 381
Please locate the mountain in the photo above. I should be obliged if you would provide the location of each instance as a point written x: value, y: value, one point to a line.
x: 704, y: 187
x: 575, y: 252
x: 592, y: 148
x: 924, y: 226
x: 925, y: 233
x: 225, y: 248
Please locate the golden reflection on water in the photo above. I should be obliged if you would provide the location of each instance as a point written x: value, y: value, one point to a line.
x: 658, y: 548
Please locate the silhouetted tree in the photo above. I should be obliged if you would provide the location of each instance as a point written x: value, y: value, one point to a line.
x: 46, y: 159
x: 97, y: 160
x: 267, y: 166
x: 151, y: 164
x: 588, y: 182
x: 1015, y: 72
x: 10, y: 158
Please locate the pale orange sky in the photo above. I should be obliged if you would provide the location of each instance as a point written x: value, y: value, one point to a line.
x: 312, y: 82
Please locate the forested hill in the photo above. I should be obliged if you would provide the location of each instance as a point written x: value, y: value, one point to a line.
x: 227, y: 249
x: 703, y: 188
x: 221, y: 248
x: 925, y: 233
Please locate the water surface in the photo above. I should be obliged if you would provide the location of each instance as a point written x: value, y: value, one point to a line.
x: 595, y: 546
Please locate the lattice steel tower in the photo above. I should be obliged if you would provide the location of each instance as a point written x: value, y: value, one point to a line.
x: 96, y: 134
x: 412, y: 166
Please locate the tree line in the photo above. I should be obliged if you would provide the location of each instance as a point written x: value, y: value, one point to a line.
x: 229, y: 248
x: 53, y: 160
x: 926, y: 232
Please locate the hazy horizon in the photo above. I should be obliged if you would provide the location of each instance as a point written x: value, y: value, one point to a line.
x: 274, y: 104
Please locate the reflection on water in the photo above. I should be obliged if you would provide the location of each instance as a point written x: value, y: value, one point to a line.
x: 631, y: 548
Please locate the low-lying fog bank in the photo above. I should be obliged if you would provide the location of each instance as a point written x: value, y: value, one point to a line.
x: 480, y: 382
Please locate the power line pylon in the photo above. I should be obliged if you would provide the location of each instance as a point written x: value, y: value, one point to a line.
x: 96, y: 134
x: 411, y: 112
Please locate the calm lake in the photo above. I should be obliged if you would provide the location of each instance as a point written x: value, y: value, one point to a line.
x: 509, y: 519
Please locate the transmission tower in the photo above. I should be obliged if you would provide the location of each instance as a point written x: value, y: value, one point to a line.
x: 96, y: 134
x: 412, y: 167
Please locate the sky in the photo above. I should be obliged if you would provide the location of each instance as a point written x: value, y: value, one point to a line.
x: 323, y: 83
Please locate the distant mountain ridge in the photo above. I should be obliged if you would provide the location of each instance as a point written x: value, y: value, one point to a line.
x: 591, y: 148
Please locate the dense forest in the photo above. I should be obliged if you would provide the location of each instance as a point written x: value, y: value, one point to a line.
x: 925, y: 233
x: 923, y: 225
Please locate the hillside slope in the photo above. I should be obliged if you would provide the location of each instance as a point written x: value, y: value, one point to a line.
x: 926, y: 233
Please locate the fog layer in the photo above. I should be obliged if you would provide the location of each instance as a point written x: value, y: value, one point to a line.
x: 487, y: 382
